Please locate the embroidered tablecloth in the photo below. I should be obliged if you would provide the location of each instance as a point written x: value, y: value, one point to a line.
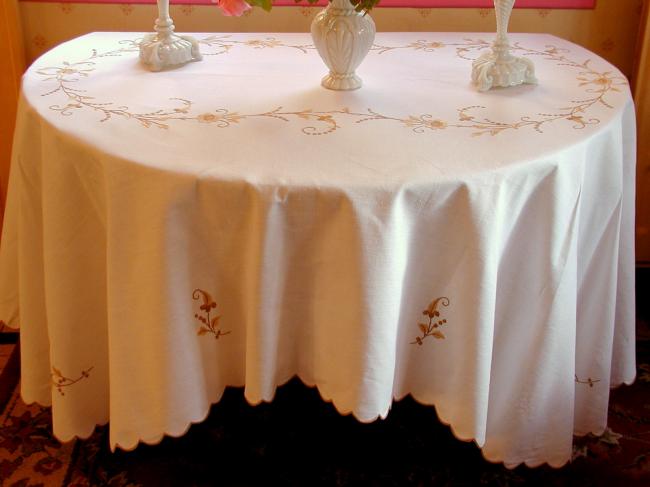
x: 232, y: 223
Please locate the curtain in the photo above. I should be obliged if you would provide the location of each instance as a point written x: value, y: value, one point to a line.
x: 641, y: 85
x: 12, y: 65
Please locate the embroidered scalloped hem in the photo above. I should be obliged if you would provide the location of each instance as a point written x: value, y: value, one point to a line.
x: 531, y: 463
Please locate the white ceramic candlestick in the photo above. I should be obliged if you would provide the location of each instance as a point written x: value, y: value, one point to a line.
x: 164, y: 49
x: 499, y: 68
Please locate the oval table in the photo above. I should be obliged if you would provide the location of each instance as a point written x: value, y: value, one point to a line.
x: 232, y: 223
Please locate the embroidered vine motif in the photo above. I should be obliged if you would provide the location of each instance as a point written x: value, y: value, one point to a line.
x: 433, y: 327
x: 589, y: 381
x: 224, y: 44
x: 462, y: 48
x: 60, y: 381
x: 208, y: 324
x: 597, y: 86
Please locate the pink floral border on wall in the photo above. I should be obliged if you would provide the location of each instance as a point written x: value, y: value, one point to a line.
x: 384, y: 3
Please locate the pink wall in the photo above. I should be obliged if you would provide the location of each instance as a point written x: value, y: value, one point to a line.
x: 384, y: 3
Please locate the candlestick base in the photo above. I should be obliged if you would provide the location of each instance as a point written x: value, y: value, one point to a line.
x: 161, y: 50
x: 499, y: 68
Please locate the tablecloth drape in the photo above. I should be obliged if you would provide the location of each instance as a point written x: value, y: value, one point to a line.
x: 231, y: 223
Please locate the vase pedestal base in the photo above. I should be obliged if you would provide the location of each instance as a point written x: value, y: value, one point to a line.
x: 340, y: 82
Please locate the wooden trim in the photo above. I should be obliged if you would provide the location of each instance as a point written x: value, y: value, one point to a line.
x: 641, y: 81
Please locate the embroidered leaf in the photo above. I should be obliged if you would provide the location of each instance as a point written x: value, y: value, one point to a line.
x: 57, y: 372
x: 203, y: 331
x: 423, y: 327
x: 439, y: 335
x: 215, y: 321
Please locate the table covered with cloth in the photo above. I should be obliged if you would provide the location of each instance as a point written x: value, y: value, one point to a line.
x: 232, y: 223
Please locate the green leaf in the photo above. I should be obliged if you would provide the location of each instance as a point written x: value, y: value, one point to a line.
x: 263, y: 4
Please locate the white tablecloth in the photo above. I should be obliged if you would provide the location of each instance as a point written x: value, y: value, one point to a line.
x: 232, y: 223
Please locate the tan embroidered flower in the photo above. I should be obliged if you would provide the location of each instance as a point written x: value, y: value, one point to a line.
x: 426, y: 45
x: 603, y: 81
x: 432, y: 328
x: 222, y: 117
x: 208, y: 324
x: 436, y: 124
x: 261, y: 44
x: 207, y: 118
x: 419, y: 124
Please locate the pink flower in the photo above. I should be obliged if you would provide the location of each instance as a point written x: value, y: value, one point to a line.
x: 232, y: 8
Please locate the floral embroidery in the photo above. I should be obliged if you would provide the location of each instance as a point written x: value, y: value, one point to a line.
x: 589, y: 381
x: 224, y: 44
x: 60, y: 381
x: 597, y: 84
x: 432, y: 328
x: 208, y: 324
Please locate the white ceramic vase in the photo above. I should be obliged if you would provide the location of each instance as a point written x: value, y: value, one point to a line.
x: 343, y: 38
x: 499, y: 68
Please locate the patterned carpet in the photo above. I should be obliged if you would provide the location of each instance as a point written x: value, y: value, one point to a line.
x: 298, y: 440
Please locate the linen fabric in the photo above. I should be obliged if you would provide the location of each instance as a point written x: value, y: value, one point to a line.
x: 232, y: 223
